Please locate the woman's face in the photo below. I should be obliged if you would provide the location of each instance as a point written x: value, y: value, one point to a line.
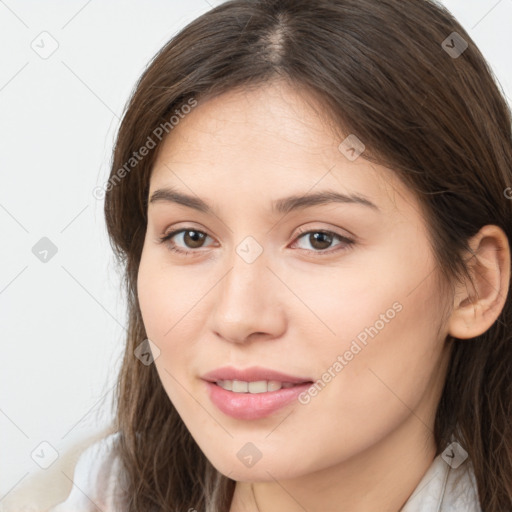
x: 341, y: 293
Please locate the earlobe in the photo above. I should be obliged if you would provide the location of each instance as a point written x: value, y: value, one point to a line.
x: 478, y: 303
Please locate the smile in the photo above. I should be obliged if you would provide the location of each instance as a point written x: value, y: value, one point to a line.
x: 259, y: 386
x: 245, y: 404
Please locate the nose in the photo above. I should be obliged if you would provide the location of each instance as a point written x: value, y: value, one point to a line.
x: 249, y: 302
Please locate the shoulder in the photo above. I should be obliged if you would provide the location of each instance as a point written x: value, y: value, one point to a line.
x: 95, y: 479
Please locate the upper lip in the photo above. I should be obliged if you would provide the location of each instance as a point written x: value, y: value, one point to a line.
x: 252, y: 374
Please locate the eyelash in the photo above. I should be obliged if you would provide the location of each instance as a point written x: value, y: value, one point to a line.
x: 348, y: 242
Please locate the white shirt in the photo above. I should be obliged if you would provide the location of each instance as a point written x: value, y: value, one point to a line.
x: 443, y: 488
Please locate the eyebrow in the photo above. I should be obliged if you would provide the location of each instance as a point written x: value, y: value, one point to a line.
x: 283, y: 205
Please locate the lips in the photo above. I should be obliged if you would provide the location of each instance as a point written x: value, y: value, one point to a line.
x: 252, y: 374
x: 248, y: 406
x: 256, y: 403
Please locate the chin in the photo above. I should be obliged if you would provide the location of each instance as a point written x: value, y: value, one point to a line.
x: 261, y: 471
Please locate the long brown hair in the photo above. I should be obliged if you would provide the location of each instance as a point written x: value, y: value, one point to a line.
x: 437, y: 118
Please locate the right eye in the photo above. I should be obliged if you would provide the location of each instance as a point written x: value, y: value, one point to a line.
x: 191, y: 237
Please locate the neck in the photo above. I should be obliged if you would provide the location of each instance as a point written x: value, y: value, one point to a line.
x: 383, y: 477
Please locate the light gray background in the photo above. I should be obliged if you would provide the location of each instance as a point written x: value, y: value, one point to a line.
x: 62, y: 322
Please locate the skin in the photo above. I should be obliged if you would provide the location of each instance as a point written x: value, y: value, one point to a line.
x: 366, y: 440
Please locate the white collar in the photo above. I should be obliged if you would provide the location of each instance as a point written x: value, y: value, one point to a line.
x: 444, y: 488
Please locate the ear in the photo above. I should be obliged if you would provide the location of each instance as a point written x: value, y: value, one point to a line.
x: 478, y: 304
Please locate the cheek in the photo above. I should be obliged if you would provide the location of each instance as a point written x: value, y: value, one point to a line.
x: 167, y: 296
x: 390, y: 360
x: 385, y: 347
x: 173, y: 300
x: 166, y: 303
x: 385, y: 373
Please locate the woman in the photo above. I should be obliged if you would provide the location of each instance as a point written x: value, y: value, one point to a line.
x: 309, y: 201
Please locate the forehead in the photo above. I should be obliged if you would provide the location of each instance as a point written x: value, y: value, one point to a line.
x: 270, y: 141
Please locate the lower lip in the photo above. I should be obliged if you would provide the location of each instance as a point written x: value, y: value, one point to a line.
x: 253, y: 406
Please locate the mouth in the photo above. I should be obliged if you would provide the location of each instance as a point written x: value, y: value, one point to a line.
x: 256, y: 387
x: 246, y: 405
x: 253, y: 393
x: 253, y: 379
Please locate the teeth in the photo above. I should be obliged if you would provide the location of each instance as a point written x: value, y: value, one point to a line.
x: 274, y: 385
x: 227, y: 384
x: 239, y: 386
x: 260, y: 386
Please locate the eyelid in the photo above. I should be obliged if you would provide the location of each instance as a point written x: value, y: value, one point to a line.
x: 334, y: 231
x: 347, y: 241
x: 299, y: 231
x: 173, y: 232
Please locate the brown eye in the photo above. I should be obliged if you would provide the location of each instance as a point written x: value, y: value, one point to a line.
x: 185, y: 239
x: 193, y: 239
x: 320, y: 240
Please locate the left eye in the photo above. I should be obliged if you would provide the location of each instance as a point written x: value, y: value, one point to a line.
x: 320, y: 239
x: 194, y: 239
